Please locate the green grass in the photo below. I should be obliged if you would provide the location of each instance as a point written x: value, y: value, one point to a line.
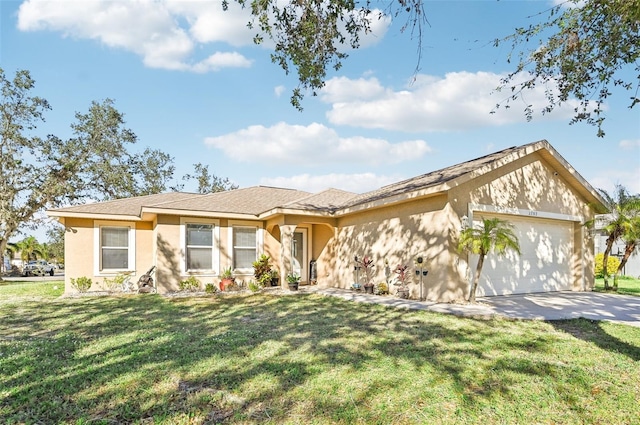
x: 48, y: 289
x: 626, y: 285
x: 304, y: 359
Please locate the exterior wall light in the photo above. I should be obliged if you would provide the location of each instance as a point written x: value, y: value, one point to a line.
x: 464, y: 222
x: 420, y: 271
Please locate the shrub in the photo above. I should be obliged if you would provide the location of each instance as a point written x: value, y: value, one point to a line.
x: 254, y: 286
x: 116, y: 282
x: 190, y: 284
x: 612, y: 265
x: 81, y: 284
x: 383, y: 288
x: 262, y: 270
x: 210, y: 288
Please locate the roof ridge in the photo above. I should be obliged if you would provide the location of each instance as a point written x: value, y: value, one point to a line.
x: 312, y: 195
x: 503, y: 151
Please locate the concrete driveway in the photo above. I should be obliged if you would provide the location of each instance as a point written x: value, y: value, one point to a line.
x: 544, y: 306
x: 568, y: 305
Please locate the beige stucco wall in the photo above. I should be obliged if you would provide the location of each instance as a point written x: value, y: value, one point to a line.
x: 81, y: 246
x: 170, y: 255
x: 397, y: 234
x: 78, y: 250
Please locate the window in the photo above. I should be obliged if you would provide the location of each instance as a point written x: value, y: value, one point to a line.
x: 114, y: 248
x: 199, y: 246
x: 245, y: 247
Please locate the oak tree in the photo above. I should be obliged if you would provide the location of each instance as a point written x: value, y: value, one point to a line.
x: 582, y: 47
x: 97, y: 162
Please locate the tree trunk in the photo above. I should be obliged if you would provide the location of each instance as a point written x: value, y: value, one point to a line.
x: 610, y: 240
x: 476, y: 279
x: 3, y: 248
x: 628, y: 250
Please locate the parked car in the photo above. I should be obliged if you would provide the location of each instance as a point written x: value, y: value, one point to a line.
x: 38, y: 268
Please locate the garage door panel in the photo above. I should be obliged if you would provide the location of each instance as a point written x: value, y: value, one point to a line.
x: 544, y: 263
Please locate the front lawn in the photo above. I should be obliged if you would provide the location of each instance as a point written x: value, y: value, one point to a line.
x: 25, y: 289
x: 626, y: 285
x: 304, y: 359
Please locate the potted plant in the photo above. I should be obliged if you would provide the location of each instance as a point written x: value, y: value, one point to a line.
x: 382, y: 288
x: 293, y: 280
x: 226, y: 279
x: 366, y: 264
x: 403, y: 277
x: 275, y: 277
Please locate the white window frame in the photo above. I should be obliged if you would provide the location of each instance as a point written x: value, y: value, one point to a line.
x: 259, y: 242
x: 97, y: 251
x: 215, y: 251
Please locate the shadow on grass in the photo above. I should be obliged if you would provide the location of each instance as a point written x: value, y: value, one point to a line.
x: 264, y: 358
x: 626, y: 286
x: 593, y: 331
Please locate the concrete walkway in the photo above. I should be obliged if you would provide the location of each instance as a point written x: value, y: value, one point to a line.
x: 544, y: 306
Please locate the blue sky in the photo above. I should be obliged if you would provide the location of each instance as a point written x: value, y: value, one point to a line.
x: 191, y: 83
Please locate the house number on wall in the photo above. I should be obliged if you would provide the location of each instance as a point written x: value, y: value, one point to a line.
x: 533, y: 213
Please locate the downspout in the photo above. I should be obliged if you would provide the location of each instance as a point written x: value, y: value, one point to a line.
x: 582, y: 257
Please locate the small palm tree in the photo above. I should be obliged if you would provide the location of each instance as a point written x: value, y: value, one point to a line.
x: 623, y: 207
x: 29, y: 248
x: 631, y: 238
x: 492, y: 235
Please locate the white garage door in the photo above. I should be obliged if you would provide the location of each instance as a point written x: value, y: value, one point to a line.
x: 544, y: 264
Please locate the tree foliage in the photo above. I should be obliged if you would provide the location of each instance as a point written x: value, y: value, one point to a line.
x: 578, y: 46
x: 493, y: 235
x: 96, y: 162
x: 581, y: 48
x: 207, y: 182
x: 312, y: 36
x: 55, y: 243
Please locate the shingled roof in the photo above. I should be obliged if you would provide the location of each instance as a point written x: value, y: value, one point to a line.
x: 251, y: 200
x: 433, y: 178
x: 327, y: 200
x: 127, y: 206
x: 259, y: 200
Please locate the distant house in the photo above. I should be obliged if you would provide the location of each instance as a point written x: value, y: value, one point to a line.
x: 186, y: 234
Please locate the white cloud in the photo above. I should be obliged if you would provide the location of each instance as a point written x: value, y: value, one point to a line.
x: 285, y: 142
x: 147, y: 28
x: 343, y: 89
x: 278, y: 90
x: 630, y: 144
x: 608, y: 178
x: 165, y: 33
x: 222, y: 60
x: 459, y: 101
x: 208, y: 23
x: 569, y: 4
x: 357, y: 183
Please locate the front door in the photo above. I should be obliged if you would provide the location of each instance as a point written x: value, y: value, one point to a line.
x: 299, y: 254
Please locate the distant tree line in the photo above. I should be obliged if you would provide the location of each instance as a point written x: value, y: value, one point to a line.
x: 98, y: 162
